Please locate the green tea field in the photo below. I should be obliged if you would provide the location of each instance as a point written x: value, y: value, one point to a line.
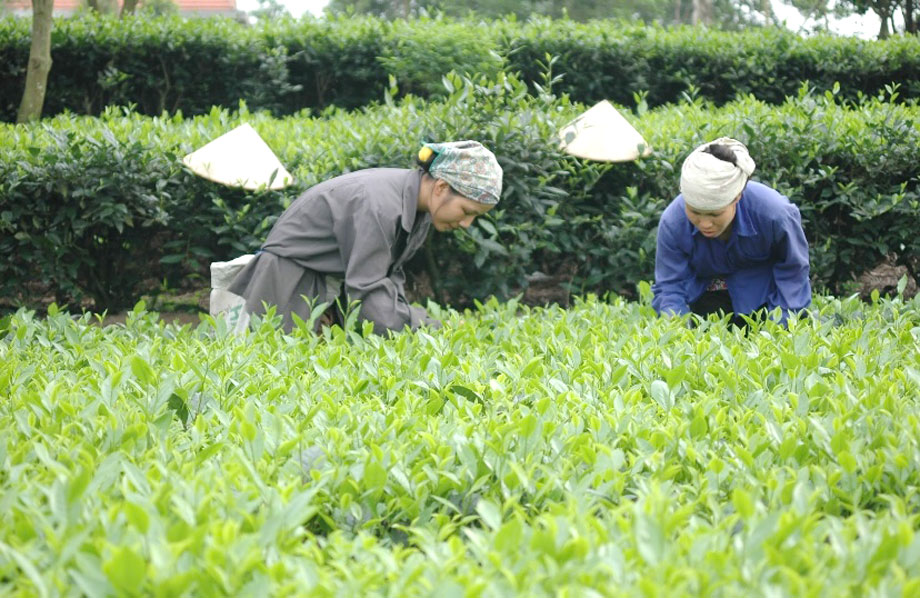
x: 583, y: 452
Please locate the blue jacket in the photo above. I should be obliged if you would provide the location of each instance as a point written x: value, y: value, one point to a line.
x: 765, y: 262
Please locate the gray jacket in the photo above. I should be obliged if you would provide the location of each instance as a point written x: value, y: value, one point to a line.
x: 360, y: 227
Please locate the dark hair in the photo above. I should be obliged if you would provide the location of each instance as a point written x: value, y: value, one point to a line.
x: 722, y: 152
x: 425, y: 165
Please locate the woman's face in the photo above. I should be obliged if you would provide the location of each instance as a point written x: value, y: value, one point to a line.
x: 712, y: 224
x: 450, y: 210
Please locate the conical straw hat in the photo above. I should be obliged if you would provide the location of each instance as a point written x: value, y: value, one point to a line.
x: 239, y: 158
x: 601, y: 133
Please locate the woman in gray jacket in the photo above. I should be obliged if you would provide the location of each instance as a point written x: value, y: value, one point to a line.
x: 348, y: 238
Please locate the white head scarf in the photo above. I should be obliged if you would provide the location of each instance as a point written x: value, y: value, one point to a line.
x: 708, y: 183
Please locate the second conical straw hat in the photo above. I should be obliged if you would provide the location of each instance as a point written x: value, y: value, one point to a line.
x: 601, y: 133
x: 239, y: 158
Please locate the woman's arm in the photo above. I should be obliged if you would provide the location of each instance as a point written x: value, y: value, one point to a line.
x: 672, y: 273
x: 365, y: 245
x: 791, y: 268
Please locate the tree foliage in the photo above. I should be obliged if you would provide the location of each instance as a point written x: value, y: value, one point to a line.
x: 269, y: 10
x: 895, y: 16
x: 730, y: 14
x: 159, y: 8
x: 891, y: 13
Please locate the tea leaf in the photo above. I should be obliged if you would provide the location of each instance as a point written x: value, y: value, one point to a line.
x: 126, y: 570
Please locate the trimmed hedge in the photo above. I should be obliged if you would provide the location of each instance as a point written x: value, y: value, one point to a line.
x: 601, y: 60
x: 83, y: 199
x: 169, y: 64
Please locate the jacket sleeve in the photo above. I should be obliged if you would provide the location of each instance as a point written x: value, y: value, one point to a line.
x: 672, y: 273
x: 366, y: 248
x: 791, y: 268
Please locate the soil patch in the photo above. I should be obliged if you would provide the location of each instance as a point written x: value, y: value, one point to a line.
x: 885, y: 277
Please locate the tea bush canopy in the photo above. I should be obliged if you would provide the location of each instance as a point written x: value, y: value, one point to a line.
x: 595, y: 451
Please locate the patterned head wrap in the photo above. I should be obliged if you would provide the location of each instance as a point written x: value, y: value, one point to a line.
x: 466, y: 166
x: 709, y: 183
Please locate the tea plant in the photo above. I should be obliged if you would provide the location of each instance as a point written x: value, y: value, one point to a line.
x: 286, y: 66
x: 595, y: 451
x: 141, y: 218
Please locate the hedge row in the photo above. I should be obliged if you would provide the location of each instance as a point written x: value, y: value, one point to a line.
x: 103, y: 208
x: 169, y: 64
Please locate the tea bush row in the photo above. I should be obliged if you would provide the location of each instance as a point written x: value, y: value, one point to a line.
x: 594, y: 451
x: 188, y: 66
x: 103, y: 208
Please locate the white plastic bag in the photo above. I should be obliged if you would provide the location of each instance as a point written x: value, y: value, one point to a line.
x: 224, y: 304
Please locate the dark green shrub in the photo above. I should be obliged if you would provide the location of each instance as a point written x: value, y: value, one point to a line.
x: 332, y: 63
x: 287, y: 66
x: 849, y: 166
x: 79, y: 215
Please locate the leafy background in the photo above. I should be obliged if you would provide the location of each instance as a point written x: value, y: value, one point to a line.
x: 98, y: 211
x: 286, y: 66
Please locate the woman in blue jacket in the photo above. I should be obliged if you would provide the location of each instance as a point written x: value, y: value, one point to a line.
x: 727, y: 243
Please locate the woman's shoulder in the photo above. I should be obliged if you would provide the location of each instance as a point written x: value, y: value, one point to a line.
x: 764, y: 194
x: 675, y: 207
x: 369, y: 188
x: 766, y: 200
x: 673, y: 221
x: 767, y: 206
x: 368, y: 178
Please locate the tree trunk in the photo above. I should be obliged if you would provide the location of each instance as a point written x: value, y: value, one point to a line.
x: 766, y: 9
x: 128, y: 8
x: 33, y: 97
x: 883, y: 32
x: 702, y: 12
x: 104, y: 7
x: 910, y: 25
